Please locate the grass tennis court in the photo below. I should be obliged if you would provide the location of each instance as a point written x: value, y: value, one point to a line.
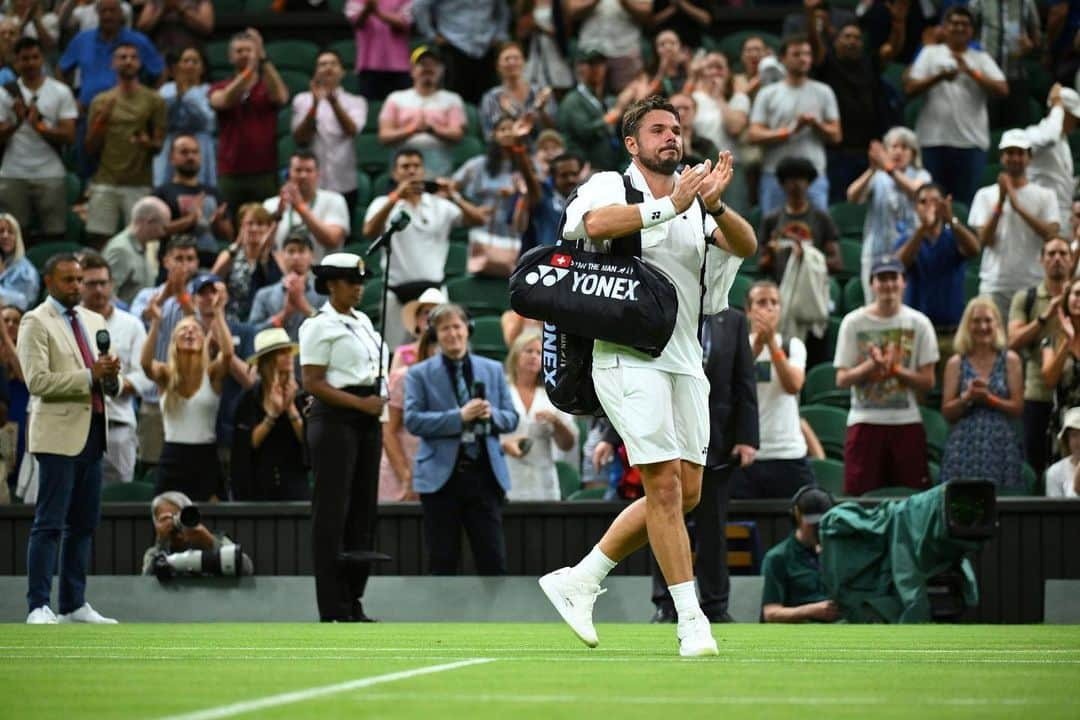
x: 536, y: 671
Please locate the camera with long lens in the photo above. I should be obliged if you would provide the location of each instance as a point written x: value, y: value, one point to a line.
x: 225, y: 561
x: 187, y: 519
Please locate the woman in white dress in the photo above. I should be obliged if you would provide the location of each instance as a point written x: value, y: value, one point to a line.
x: 530, y: 449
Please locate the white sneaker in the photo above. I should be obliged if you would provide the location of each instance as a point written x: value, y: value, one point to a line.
x: 574, y: 600
x: 86, y: 614
x: 41, y: 616
x: 695, y: 637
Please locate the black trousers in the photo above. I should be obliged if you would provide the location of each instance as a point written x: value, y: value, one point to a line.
x: 1036, y: 443
x: 472, y: 500
x: 345, y: 447
x: 469, y: 77
x: 771, y: 479
x: 710, y: 545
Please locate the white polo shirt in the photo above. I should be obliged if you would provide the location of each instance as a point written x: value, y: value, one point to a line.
x: 329, y: 207
x: 676, y: 247
x: 346, y: 345
x: 420, y: 250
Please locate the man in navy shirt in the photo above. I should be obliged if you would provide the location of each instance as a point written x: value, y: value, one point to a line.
x: 935, y: 255
x: 565, y: 173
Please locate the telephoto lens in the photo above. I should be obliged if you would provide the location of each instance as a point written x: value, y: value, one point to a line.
x: 188, y: 518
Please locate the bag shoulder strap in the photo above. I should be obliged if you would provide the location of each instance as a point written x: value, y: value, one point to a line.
x: 1029, y: 302
x: 629, y: 245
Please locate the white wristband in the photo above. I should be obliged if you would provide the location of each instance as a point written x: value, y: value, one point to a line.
x: 654, y: 212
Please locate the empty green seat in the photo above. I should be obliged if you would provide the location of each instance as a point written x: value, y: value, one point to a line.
x: 480, y: 295
x: 371, y: 155
x: 851, y: 254
x: 297, y: 81
x: 830, y: 425
x: 569, y: 479
x: 466, y: 149
x: 820, y: 387
x: 456, y: 260
x: 596, y: 493
x: 937, y: 432
x: 40, y: 253
x: 849, y: 217
x: 293, y: 55
x: 346, y: 50
x: 853, y: 294
x: 829, y: 474
x: 739, y: 288
x: 487, y: 337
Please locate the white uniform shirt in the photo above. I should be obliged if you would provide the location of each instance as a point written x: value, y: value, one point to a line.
x: 676, y: 247
x: 778, y: 410
x: 1012, y: 262
x: 955, y: 112
x: 1052, y: 162
x: 329, y: 207
x: 28, y: 155
x: 128, y: 335
x: 347, y: 345
x: 420, y: 249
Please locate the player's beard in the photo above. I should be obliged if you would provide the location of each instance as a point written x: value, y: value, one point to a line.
x: 664, y: 165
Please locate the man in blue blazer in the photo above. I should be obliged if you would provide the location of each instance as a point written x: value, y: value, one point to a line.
x: 457, y: 404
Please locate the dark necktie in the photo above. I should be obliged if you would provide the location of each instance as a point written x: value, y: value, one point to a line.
x: 96, y: 398
x: 472, y: 449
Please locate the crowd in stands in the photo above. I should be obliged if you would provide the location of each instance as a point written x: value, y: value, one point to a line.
x: 909, y: 167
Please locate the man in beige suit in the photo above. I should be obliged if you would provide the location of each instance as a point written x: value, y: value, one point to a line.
x: 68, y: 381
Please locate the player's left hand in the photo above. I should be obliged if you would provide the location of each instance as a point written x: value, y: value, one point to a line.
x: 716, y: 182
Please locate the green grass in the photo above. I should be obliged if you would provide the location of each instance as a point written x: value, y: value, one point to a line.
x: 541, y: 671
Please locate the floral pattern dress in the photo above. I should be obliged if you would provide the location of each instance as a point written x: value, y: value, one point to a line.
x: 983, y: 444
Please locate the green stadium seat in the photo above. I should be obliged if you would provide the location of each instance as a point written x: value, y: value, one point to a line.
x: 487, y: 337
x: 480, y: 295
x: 830, y: 425
x: 297, y: 55
x: 373, y: 109
x: 891, y: 491
x: 128, y: 492
x: 72, y: 188
x: 467, y: 149
x: 595, y: 493
x: 853, y: 294
x: 739, y: 288
x: 217, y: 54
x: 40, y: 253
x: 912, y: 108
x: 460, y: 236
x: 284, y: 121
x: 754, y: 217
x: 831, y: 334
x: 363, y: 191
x: 472, y: 122
x: 74, y: 229
x: 971, y: 286
x: 346, y: 50
x: 286, y: 146
x: 836, y: 297
x: 297, y: 81
x: 937, y: 432
x: 380, y: 184
x: 750, y: 267
x: 851, y: 254
x: 731, y: 45
x: 569, y: 479
x: 456, y: 260
x: 829, y: 474
x: 351, y: 84
x: 371, y: 155
x: 820, y: 388
x: 893, y: 73
x: 849, y: 217
x: 990, y: 175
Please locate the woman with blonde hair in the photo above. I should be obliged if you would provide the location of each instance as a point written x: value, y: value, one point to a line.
x: 190, y: 385
x: 542, y: 428
x: 983, y: 393
x: 20, y: 283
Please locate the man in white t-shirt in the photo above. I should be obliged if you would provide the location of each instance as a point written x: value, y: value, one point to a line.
x: 425, y: 116
x: 35, y: 126
x: 659, y: 406
x: 327, y: 118
x: 953, y: 126
x: 885, y: 353
x: 302, y: 206
x: 780, y: 467
x: 794, y: 118
x: 1012, y: 219
x: 418, y: 255
x: 1051, y: 157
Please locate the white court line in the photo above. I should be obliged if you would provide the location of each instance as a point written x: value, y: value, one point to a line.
x: 716, y: 700
x: 582, y: 656
x: 289, y: 698
x: 624, y: 651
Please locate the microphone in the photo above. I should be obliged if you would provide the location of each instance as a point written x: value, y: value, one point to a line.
x: 479, y: 392
x: 399, y: 223
x: 109, y: 383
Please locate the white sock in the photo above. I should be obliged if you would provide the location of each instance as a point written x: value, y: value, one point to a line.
x: 594, y: 567
x: 684, y: 595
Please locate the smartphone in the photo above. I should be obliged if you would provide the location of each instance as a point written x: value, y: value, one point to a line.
x: 525, y: 445
x: 430, y: 186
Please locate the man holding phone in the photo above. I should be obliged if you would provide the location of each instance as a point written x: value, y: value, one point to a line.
x: 418, y: 259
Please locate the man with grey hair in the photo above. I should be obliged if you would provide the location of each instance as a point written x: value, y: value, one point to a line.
x: 131, y: 265
x: 1051, y: 158
x: 180, y: 538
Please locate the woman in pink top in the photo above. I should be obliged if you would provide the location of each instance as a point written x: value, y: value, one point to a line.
x: 382, y: 45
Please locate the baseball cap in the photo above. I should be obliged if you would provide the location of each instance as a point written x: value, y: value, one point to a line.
x: 203, y: 280
x: 886, y: 263
x: 1015, y: 138
x: 423, y: 51
x: 813, y: 502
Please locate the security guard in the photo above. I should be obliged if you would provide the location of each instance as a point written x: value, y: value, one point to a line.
x: 340, y: 362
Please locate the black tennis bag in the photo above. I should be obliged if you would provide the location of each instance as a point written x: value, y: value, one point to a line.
x: 585, y: 296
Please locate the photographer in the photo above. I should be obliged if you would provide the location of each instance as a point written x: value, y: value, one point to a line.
x: 183, y: 545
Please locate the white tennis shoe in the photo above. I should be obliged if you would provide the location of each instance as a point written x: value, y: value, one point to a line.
x: 695, y: 637
x: 574, y: 600
x: 86, y: 614
x: 41, y: 616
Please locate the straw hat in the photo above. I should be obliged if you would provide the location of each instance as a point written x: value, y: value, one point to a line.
x: 409, y: 313
x: 270, y: 340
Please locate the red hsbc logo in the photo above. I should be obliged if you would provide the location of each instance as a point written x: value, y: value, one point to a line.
x: 562, y: 261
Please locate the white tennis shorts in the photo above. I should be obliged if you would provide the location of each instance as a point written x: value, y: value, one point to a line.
x: 660, y: 416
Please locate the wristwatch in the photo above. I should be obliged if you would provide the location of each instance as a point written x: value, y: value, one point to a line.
x: 719, y: 211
